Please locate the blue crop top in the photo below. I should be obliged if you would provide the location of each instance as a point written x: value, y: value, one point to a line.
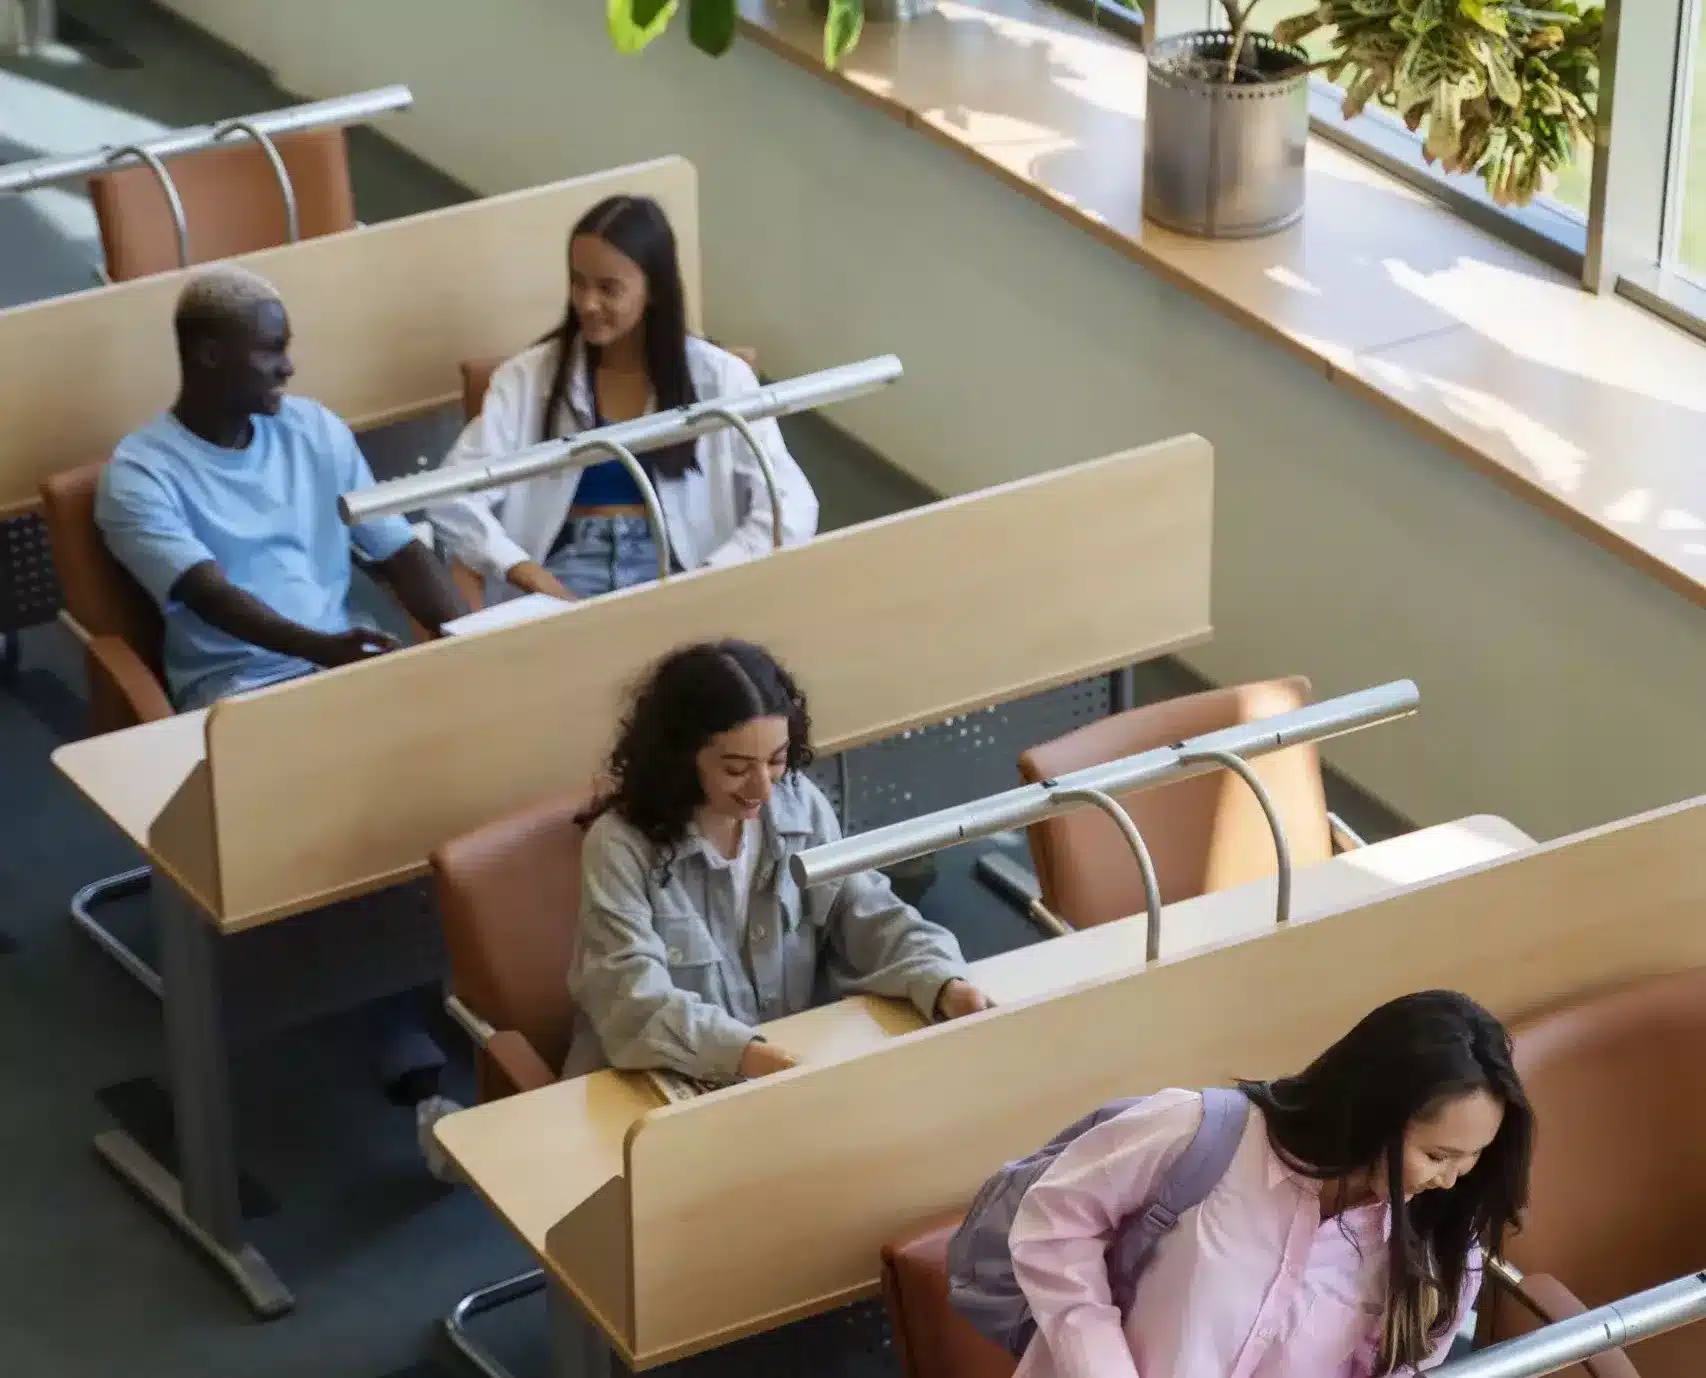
x: 607, y: 485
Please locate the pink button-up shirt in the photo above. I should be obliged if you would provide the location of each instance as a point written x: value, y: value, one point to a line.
x: 1251, y: 1284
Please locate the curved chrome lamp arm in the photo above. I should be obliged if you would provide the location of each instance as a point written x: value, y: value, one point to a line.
x: 1145, y: 863
x: 1282, y: 846
x: 747, y: 434
x: 292, y: 222
x: 637, y: 471
x: 174, y: 203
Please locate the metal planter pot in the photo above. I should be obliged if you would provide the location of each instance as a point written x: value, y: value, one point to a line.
x: 886, y: 11
x: 1224, y: 161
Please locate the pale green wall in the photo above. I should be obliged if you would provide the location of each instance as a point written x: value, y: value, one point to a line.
x: 1559, y: 687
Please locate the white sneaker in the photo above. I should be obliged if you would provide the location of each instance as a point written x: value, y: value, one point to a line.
x: 428, y: 1113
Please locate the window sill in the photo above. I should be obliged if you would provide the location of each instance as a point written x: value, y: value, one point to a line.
x: 1584, y: 405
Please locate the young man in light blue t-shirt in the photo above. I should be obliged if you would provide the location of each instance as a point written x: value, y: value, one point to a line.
x: 225, y: 510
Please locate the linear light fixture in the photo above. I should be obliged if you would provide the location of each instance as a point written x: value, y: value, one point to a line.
x: 65, y: 167
x: 1018, y: 808
x: 644, y: 433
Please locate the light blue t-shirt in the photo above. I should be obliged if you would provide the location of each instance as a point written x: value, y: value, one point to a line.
x: 266, y: 515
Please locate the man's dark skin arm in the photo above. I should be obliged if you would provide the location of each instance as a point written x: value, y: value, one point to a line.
x: 423, y: 586
x: 218, y: 602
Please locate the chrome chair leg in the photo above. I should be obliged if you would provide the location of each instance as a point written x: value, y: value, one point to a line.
x: 121, y: 886
x: 478, y: 1304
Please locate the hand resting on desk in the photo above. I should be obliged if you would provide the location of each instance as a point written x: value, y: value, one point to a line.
x: 761, y: 1059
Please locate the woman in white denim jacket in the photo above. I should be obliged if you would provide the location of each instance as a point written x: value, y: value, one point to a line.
x: 692, y: 929
x: 622, y: 351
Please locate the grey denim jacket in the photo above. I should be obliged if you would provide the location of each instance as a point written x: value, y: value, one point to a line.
x: 666, y: 974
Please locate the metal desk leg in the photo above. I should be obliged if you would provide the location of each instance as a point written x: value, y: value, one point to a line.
x: 203, y: 1200
x: 578, y: 1347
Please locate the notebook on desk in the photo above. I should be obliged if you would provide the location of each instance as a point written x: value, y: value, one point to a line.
x: 524, y: 609
x: 672, y: 1086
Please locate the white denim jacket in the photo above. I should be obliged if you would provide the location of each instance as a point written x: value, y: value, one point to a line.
x: 666, y: 974
x: 718, y: 514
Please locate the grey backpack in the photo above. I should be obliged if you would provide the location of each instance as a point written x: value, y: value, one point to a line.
x: 981, y: 1284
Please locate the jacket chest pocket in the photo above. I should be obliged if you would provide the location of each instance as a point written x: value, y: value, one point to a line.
x: 690, y: 951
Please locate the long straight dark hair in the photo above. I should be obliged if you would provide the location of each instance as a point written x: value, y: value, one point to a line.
x: 637, y: 228
x: 1347, y: 1112
x: 690, y: 696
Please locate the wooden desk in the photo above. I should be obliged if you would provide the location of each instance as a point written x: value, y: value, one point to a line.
x: 338, y: 785
x: 143, y: 780
x: 539, y: 1159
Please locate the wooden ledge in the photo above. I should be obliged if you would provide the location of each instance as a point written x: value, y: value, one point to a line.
x: 1588, y: 407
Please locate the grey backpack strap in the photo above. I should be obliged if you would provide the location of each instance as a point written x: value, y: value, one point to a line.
x: 1196, y: 1173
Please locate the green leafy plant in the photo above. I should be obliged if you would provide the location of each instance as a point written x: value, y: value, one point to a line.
x: 1505, y: 90
x: 711, y: 25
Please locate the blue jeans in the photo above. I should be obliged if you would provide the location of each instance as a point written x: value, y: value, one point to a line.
x: 604, y: 554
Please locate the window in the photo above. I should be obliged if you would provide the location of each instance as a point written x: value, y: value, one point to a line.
x: 1638, y: 223
x: 1690, y: 234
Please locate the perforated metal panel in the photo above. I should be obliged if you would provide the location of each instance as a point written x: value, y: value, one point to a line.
x: 332, y: 959
x: 826, y: 775
x: 29, y: 592
x: 963, y: 758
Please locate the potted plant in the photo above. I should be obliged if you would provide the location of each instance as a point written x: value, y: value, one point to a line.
x: 1499, y: 89
x: 1226, y: 123
x: 711, y: 24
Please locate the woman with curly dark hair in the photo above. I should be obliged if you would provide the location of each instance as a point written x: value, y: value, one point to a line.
x: 692, y: 930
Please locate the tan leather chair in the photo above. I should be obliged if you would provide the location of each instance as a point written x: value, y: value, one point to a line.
x: 509, y: 896
x: 1205, y: 834
x: 231, y: 199
x: 122, y: 638
x: 476, y: 379
x: 932, y: 1339
x: 1617, y: 1195
x: 122, y: 625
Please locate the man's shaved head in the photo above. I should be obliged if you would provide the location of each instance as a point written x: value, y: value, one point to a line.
x: 233, y: 341
x: 220, y: 300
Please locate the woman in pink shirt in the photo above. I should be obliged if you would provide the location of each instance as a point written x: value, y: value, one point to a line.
x: 1344, y: 1240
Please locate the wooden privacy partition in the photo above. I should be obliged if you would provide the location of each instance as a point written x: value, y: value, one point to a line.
x: 381, y: 315
x: 770, y: 1200
x: 335, y: 784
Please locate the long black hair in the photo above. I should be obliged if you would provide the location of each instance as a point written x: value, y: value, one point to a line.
x: 637, y: 228
x: 690, y: 696
x: 1347, y: 1112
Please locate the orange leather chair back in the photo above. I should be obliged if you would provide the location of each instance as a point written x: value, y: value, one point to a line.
x: 932, y: 1339
x: 1617, y: 1195
x: 509, y: 894
x: 99, y: 591
x: 1205, y: 834
x: 476, y: 378
x: 231, y: 199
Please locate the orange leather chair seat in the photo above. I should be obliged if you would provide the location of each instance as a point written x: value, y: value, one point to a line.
x: 933, y: 1340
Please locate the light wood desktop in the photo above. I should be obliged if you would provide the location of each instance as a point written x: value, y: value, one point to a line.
x: 555, y: 1164
x: 381, y: 318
